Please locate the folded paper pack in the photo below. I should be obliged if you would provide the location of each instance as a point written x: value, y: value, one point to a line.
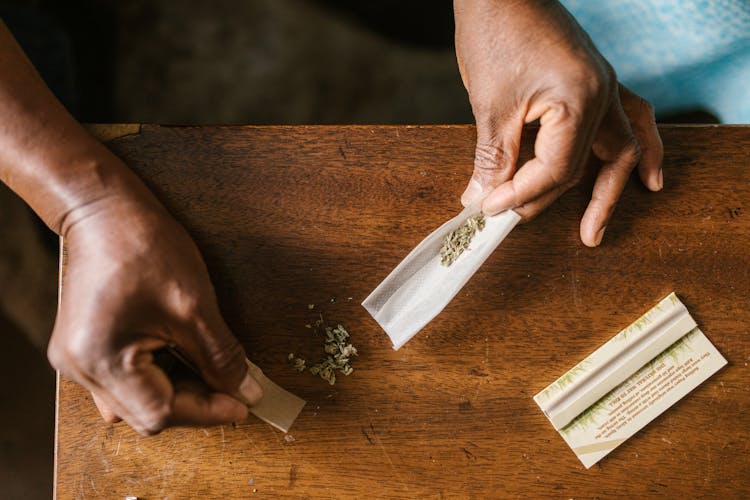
x: 630, y: 380
x: 420, y: 286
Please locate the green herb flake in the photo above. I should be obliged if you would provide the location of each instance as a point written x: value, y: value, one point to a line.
x: 459, y: 239
x: 338, y: 353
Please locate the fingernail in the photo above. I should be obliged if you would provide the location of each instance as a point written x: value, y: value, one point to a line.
x: 600, y: 235
x: 250, y: 390
x: 660, y: 179
x: 473, y: 190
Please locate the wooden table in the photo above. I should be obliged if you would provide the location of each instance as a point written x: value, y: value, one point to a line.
x: 291, y: 216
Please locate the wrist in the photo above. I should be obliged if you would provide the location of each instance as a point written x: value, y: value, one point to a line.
x: 92, y: 185
x: 66, y: 188
x: 75, y: 179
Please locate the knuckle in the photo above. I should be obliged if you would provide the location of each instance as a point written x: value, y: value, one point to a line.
x: 645, y: 108
x: 631, y: 153
x: 610, y: 73
x: 226, y: 355
x: 598, y: 81
x: 490, y: 158
x: 56, y: 355
x: 184, y: 302
x: 602, y: 203
x: 128, y: 360
x: 569, y: 116
x: 608, y: 79
x: 75, y: 352
x: 558, y: 179
x: 515, y: 195
x: 638, y: 108
x: 89, y: 358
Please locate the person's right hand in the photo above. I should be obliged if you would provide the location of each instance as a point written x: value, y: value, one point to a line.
x: 526, y: 60
x: 135, y: 282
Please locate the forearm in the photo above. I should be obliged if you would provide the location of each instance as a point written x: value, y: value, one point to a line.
x: 46, y: 157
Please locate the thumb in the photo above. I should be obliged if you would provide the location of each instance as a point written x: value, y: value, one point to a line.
x: 221, y: 360
x: 495, y: 155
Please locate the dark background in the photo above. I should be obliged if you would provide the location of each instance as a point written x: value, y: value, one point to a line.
x: 254, y: 62
x: 250, y: 61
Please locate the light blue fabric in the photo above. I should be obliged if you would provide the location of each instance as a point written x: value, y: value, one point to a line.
x: 678, y: 54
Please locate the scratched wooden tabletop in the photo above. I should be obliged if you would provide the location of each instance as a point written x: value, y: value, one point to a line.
x: 292, y: 216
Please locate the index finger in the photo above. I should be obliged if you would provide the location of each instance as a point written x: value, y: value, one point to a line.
x: 563, y: 140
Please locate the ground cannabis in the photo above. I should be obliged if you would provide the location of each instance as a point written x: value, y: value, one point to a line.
x: 299, y: 364
x: 459, y: 239
x: 338, y: 353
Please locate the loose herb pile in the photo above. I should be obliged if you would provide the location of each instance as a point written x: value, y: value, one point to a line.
x: 338, y: 353
x: 459, y: 239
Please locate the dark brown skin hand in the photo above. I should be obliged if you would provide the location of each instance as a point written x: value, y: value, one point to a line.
x: 526, y: 60
x: 135, y: 281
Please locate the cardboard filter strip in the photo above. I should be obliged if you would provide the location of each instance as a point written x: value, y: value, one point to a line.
x: 278, y: 406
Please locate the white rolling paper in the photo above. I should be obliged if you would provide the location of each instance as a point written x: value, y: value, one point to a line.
x: 420, y: 286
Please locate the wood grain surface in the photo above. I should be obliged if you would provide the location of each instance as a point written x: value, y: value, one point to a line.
x: 291, y: 216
